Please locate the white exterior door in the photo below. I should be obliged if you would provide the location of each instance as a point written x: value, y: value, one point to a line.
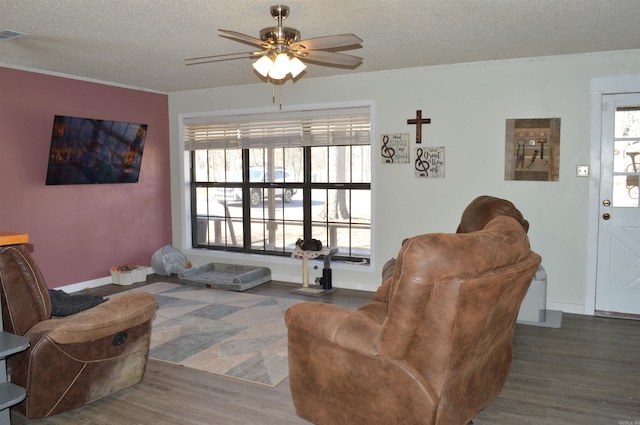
x: 618, y: 268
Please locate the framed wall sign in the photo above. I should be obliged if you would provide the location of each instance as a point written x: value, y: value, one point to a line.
x: 532, y: 149
x: 429, y: 162
x: 395, y: 148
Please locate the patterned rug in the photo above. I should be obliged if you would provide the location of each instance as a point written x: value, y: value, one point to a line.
x: 233, y: 334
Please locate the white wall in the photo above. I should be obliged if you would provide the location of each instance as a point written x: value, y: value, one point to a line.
x: 468, y: 105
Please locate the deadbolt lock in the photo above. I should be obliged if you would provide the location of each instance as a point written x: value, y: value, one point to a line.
x: 606, y: 216
x: 606, y: 203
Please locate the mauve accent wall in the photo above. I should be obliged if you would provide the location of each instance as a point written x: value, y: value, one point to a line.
x: 78, y: 232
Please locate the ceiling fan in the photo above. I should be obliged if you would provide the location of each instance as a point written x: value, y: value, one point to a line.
x: 282, y: 52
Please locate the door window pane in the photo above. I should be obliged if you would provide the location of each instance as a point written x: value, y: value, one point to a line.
x: 626, y: 157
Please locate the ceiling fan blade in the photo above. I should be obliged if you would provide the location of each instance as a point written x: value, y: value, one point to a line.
x: 220, y: 58
x: 329, y: 57
x: 326, y: 42
x: 245, y: 38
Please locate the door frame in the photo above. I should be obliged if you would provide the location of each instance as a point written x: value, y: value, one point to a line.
x: 599, y: 87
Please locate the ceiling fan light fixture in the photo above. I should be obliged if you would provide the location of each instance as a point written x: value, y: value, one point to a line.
x: 263, y: 65
x: 296, y: 66
x: 280, y: 67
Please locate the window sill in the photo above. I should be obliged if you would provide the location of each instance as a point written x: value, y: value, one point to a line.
x: 266, y: 260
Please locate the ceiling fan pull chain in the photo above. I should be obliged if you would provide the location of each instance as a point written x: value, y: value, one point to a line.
x: 273, y: 91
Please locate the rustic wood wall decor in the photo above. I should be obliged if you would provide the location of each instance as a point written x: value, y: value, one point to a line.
x: 418, y: 121
x: 532, y: 149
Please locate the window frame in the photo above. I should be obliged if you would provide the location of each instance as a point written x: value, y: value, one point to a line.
x: 306, y: 187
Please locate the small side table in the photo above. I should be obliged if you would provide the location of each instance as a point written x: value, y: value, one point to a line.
x: 306, y: 289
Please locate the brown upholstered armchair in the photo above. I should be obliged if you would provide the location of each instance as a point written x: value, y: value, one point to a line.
x: 434, y: 348
x: 72, y: 360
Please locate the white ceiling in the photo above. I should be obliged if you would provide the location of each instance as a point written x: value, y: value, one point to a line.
x: 143, y: 43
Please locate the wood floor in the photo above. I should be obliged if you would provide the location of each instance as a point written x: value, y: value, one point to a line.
x: 586, y: 373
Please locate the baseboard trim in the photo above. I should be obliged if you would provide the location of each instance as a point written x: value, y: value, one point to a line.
x: 567, y: 308
x: 83, y: 286
x: 94, y: 283
x: 336, y: 283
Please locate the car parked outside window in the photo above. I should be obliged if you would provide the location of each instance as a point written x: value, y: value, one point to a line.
x: 256, y: 174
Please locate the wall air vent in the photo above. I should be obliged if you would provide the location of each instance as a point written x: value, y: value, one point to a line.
x: 6, y: 35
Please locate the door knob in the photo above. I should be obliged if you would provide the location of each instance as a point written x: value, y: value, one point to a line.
x: 606, y: 216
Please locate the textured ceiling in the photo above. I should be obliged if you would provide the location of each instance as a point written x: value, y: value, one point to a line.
x: 143, y: 43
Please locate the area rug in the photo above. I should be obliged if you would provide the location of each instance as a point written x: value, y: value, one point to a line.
x: 234, y: 334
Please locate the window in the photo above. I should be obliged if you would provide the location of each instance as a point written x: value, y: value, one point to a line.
x: 260, y: 182
x: 626, y: 157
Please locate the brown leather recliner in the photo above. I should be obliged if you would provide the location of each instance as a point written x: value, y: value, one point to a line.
x: 76, y: 359
x: 474, y: 217
x: 435, y: 348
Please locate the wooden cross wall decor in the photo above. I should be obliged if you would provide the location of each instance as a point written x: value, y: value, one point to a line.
x: 418, y: 121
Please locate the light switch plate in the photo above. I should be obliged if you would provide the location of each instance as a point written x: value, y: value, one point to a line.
x: 582, y: 171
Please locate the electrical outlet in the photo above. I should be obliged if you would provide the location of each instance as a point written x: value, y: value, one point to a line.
x: 582, y: 171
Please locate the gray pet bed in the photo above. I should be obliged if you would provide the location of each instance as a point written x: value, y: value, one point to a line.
x: 231, y: 277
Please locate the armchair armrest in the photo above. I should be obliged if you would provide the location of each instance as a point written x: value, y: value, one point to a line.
x: 355, y: 330
x: 115, y: 315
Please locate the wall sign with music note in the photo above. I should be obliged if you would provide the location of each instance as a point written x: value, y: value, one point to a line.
x: 394, y: 148
x: 429, y: 162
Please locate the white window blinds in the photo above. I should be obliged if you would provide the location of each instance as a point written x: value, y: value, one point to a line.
x: 341, y: 126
